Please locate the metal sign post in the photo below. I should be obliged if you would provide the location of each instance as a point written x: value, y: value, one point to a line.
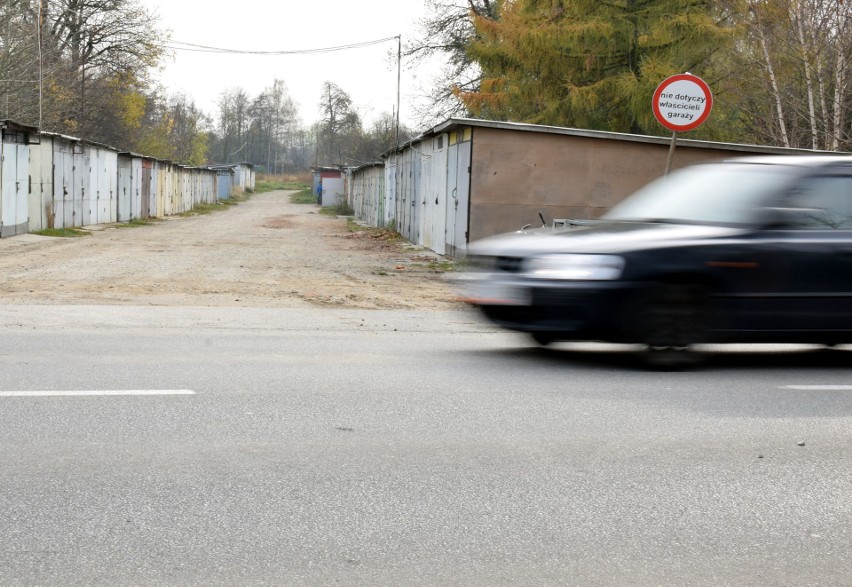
x: 681, y: 103
x: 671, y: 153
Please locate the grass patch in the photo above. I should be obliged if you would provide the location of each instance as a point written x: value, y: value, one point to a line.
x: 269, y: 183
x: 375, y: 233
x: 353, y: 226
x: 209, y: 208
x: 441, y: 266
x: 340, y: 209
x: 63, y: 232
x: 202, y: 209
x: 264, y: 185
x: 294, y: 185
x: 305, y: 196
x: 136, y: 222
x: 233, y: 200
x: 435, y: 264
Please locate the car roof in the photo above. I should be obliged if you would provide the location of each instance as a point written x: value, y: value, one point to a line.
x: 795, y: 160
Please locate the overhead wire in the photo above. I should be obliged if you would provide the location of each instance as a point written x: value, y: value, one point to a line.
x: 194, y: 47
x: 183, y: 46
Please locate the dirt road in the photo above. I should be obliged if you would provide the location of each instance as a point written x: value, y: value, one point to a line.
x: 265, y: 252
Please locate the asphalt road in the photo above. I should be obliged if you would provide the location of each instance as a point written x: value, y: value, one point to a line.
x: 320, y: 447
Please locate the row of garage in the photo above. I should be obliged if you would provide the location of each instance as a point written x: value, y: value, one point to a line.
x: 421, y: 191
x: 56, y: 181
x: 467, y: 179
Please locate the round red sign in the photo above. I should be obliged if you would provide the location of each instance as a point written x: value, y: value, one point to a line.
x: 682, y: 102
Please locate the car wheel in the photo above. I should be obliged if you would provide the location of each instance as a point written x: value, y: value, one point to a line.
x: 673, y: 318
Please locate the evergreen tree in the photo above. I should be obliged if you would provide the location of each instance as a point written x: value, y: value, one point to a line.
x: 591, y: 64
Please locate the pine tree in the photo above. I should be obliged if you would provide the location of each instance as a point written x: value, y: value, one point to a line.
x: 591, y: 64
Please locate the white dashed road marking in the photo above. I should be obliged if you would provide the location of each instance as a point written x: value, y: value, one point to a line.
x: 84, y: 392
x: 820, y: 387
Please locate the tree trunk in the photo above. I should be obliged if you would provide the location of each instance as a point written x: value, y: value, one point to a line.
x: 821, y: 90
x: 806, y: 61
x: 839, y: 78
x: 776, y: 93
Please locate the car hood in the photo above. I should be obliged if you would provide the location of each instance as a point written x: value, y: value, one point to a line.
x: 603, y: 238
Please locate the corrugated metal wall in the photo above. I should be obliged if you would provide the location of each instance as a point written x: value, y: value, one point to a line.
x: 424, y: 194
x: 67, y: 203
x: 102, y: 178
x: 244, y: 176
x: 164, y: 189
x: 146, y: 193
x: 41, y: 185
x: 224, y: 179
x: 367, y: 194
x: 458, y: 190
x: 136, y: 187
x: 438, y: 194
x: 185, y: 187
x: 14, y: 185
x: 125, y: 188
x: 94, y: 185
x: 63, y: 182
x: 432, y: 193
x: 109, y: 185
x: 82, y: 180
x: 403, y: 172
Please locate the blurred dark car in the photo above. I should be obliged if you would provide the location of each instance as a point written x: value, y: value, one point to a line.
x: 746, y: 250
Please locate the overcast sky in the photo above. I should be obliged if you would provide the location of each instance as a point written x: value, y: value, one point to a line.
x: 368, y: 75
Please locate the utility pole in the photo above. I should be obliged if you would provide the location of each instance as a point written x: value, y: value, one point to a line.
x: 40, y: 34
x: 398, y: 79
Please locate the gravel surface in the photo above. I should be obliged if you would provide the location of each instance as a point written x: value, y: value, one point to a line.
x: 264, y: 252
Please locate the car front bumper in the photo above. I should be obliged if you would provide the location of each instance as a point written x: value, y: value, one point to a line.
x: 568, y: 310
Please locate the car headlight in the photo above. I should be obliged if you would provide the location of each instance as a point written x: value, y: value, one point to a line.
x: 575, y: 267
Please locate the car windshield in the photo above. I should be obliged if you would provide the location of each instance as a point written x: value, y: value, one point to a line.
x: 723, y: 193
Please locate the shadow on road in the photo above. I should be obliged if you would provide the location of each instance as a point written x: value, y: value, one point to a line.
x: 720, y: 357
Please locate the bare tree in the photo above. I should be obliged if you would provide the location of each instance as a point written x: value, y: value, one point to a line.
x: 233, y: 125
x: 67, y: 65
x: 19, y: 61
x: 102, y: 39
x: 186, y: 130
x: 272, y: 118
x: 173, y: 128
x: 446, y: 35
x: 801, y: 49
x: 285, y: 125
x: 339, y: 127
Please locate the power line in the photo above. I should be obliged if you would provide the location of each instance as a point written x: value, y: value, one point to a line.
x: 182, y: 46
x: 194, y: 47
